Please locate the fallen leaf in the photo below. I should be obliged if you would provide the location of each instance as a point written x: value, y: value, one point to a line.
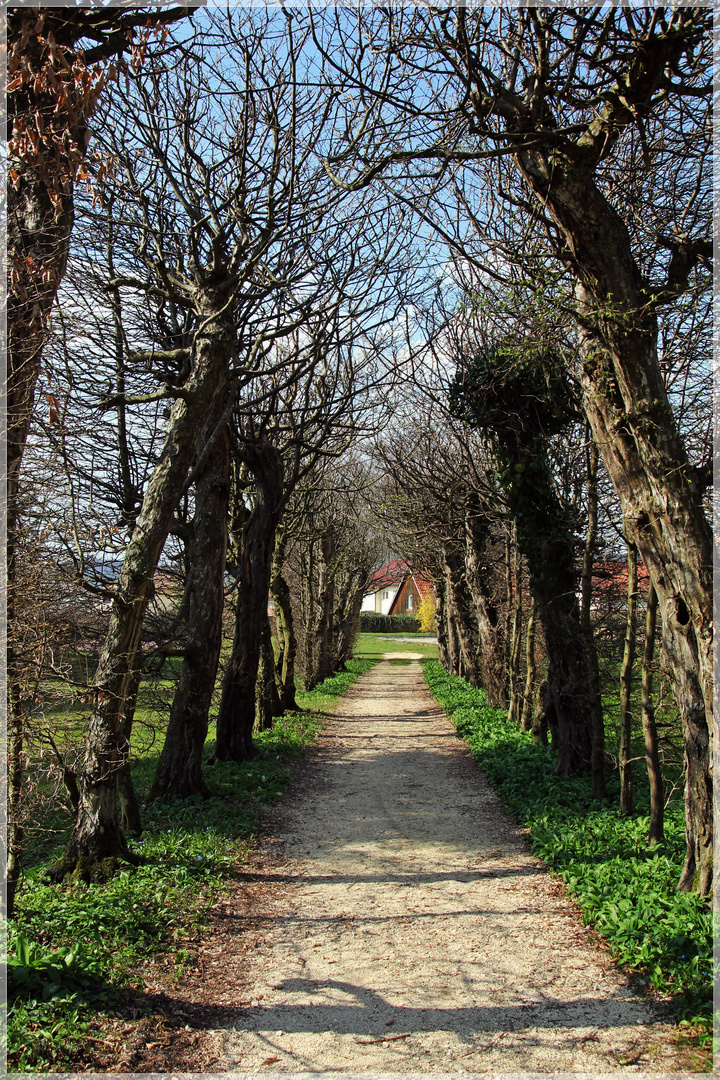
x: 630, y: 1060
x: 269, y: 1061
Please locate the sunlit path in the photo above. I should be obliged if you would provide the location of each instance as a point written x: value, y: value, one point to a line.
x: 416, y: 933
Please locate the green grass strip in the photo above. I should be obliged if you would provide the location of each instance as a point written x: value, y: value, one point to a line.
x: 625, y: 889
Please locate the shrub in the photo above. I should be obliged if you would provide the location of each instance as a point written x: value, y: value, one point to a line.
x: 426, y: 614
x: 372, y: 622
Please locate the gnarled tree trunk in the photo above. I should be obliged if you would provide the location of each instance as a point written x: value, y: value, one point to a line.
x: 626, y: 403
x: 464, y: 617
x: 267, y: 699
x: 97, y: 841
x: 285, y: 628
x: 626, y: 680
x: 441, y: 622
x: 652, y: 752
x: 597, y: 753
x: 236, y: 716
x: 527, y: 709
x: 179, y: 770
x: 491, y: 629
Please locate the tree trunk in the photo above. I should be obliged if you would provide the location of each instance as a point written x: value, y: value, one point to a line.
x: 462, y: 608
x: 626, y: 679
x: 661, y: 494
x: 322, y: 666
x: 453, y: 641
x: 349, y: 620
x: 490, y: 626
x: 267, y: 699
x: 546, y: 538
x: 697, y: 871
x: 97, y: 842
x: 236, y: 716
x: 540, y: 721
x: 130, y: 818
x: 441, y: 622
x: 16, y: 773
x: 516, y: 638
x: 597, y: 751
x: 179, y: 770
x: 652, y: 753
x: 526, y: 720
x: 285, y: 663
x: 308, y: 609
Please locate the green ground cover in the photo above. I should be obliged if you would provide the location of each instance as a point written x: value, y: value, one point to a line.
x: 624, y: 888
x: 75, y: 950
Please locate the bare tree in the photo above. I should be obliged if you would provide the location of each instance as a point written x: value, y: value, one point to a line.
x: 572, y: 99
x: 218, y: 213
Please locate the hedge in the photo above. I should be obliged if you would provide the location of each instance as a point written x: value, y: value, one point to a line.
x: 372, y: 622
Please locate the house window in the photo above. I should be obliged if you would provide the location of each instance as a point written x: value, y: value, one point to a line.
x: 410, y: 602
x: 385, y: 595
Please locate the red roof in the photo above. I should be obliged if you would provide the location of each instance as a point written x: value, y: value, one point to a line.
x: 423, y: 585
x: 391, y: 574
x: 610, y: 578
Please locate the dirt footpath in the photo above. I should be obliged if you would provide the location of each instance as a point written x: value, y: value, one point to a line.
x: 403, y: 927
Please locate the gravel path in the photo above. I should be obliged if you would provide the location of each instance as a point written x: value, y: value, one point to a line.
x: 410, y: 930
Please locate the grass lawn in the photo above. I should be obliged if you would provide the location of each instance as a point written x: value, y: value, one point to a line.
x: 374, y: 646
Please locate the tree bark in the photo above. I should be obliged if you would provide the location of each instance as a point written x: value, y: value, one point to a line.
x: 462, y: 608
x: 267, y: 699
x: 516, y: 637
x: 661, y: 494
x: 236, y: 716
x: 652, y: 753
x: 542, y: 704
x: 441, y: 622
x: 697, y: 870
x: 130, y: 817
x: 16, y: 775
x: 287, y: 642
x: 546, y: 539
x: 597, y: 752
x: 453, y: 640
x: 348, y: 620
x: 526, y: 720
x: 321, y: 667
x: 97, y: 842
x: 626, y: 679
x: 179, y: 770
x: 491, y: 629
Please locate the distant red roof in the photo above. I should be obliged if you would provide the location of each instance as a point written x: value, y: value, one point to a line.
x: 423, y: 585
x: 390, y: 574
x: 611, y: 578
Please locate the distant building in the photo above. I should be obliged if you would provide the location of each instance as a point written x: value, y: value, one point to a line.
x: 396, y: 589
x: 383, y: 587
x: 411, y: 594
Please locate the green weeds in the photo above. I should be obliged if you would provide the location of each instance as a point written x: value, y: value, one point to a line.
x: 625, y: 889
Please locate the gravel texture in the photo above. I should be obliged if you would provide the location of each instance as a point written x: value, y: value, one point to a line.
x: 399, y: 925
